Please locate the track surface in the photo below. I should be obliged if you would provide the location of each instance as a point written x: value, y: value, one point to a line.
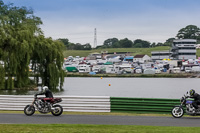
x: 99, y: 119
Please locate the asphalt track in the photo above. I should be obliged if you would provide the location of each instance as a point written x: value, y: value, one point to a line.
x: 99, y: 119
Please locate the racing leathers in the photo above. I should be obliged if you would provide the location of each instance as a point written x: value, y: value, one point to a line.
x: 47, y: 93
x: 196, y: 102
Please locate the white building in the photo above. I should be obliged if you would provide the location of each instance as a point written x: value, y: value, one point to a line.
x: 141, y: 58
x: 159, y: 55
x: 184, y: 49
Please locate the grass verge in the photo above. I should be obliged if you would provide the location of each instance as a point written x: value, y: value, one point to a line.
x: 83, y: 128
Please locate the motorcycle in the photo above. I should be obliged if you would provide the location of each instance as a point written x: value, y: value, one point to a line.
x: 44, y: 105
x: 178, y: 111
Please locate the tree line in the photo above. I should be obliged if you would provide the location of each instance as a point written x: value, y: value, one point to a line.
x: 22, y: 43
x: 189, y: 32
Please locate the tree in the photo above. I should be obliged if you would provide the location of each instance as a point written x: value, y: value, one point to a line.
x: 87, y: 46
x: 2, y: 77
x: 21, y: 40
x: 116, y: 45
x: 169, y: 42
x: 189, y: 32
x: 65, y: 41
x: 125, y: 43
x: 159, y: 44
x: 17, y: 30
x: 78, y: 46
x: 138, y: 43
x: 153, y: 44
x: 48, y: 59
x: 111, y: 42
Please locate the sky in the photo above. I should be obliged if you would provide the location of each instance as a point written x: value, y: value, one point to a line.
x: 150, y: 20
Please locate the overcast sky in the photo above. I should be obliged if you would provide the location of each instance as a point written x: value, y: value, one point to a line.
x: 151, y: 20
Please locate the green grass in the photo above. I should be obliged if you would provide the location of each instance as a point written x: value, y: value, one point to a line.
x: 83, y: 128
x: 84, y: 53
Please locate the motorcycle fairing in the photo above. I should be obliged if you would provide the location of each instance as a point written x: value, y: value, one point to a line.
x: 189, y: 102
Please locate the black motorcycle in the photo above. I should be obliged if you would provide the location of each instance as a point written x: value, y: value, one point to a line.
x: 185, y: 107
x: 44, y: 105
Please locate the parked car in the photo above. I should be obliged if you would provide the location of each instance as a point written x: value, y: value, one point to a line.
x: 188, y: 69
x: 138, y: 70
x: 157, y: 71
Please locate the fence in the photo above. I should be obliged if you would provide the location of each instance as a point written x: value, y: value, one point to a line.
x: 142, y: 105
x: 69, y: 103
x: 96, y: 103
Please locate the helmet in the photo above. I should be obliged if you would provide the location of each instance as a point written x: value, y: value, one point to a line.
x: 45, y: 88
x: 192, y: 92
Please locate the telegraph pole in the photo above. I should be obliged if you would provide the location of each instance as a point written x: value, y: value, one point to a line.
x: 95, y: 38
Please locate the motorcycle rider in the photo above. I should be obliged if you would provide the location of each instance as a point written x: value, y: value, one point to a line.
x: 196, y: 97
x: 46, y: 91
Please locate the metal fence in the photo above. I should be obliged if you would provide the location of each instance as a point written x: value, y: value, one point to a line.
x: 69, y: 103
x: 142, y: 105
x: 96, y: 103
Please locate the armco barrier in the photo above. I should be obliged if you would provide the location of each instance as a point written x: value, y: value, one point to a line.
x: 142, y: 105
x: 96, y: 103
x: 69, y: 103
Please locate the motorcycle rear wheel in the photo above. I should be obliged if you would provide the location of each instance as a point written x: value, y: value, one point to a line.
x: 57, y: 110
x: 176, y: 113
x: 29, y: 110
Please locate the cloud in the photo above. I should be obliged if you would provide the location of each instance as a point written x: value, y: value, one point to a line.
x: 151, y: 20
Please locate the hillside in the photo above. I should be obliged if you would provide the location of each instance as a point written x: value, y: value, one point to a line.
x: 83, y: 53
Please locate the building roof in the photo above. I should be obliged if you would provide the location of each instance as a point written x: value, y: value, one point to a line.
x: 139, y: 56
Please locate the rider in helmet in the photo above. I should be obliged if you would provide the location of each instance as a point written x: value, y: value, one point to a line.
x: 196, y: 97
x: 45, y: 91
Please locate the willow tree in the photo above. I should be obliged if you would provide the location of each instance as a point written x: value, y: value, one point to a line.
x: 22, y: 41
x: 2, y: 77
x: 17, y: 30
x: 48, y: 60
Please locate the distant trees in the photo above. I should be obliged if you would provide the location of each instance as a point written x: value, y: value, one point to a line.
x: 87, y: 46
x: 168, y: 42
x: 111, y: 43
x: 77, y: 46
x: 141, y: 44
x: 189, y: 32
x: 125, y: 43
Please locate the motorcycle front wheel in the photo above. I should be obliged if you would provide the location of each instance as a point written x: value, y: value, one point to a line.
x: 29, y: 110
x: 57, y: 110
x: 177, y: 112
